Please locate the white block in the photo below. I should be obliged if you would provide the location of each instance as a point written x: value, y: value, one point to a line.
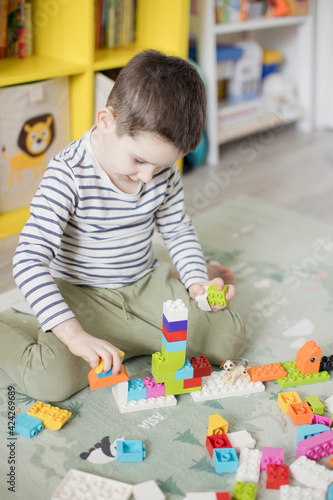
x: 241, y: 439
x: 329, y: 403
x: 78, y: 485
x: 175, y: 310
x: 311, y: 474
x: 207, y: 495
x: 249, y: 466
x: 213, y: 387
x: 296, y: 492
x: 147, y: 491
x: 202, y: 300
x: 120, y: 392
x: 145, y: 404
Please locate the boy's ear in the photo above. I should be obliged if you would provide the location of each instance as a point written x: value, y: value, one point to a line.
x: 105, y: 120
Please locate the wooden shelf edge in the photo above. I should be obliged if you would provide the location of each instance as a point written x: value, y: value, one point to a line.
x: 259, y: 24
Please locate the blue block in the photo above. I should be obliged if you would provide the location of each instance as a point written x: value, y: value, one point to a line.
x: 130, y: 451
x: 173, y: 346
x: 27, y: 425
x: 106, y: 374
x: 175, y: 326
x: 136, y: 390
x: 330, y: 492
x: 225, y: 460
x: 307, y: 431
x: 186, y: 372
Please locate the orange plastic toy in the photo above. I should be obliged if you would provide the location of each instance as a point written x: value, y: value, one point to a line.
x: 308, y: 358
x: 97, y: 383
x: 300, y: 413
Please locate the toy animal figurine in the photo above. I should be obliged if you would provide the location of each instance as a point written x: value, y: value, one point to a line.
x: 234, y: 372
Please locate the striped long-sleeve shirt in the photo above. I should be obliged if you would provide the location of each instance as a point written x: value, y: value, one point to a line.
x: 86, y: 231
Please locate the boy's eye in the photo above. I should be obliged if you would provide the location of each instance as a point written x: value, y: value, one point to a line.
x: 138, y: 162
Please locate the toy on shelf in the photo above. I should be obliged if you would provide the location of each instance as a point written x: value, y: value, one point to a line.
x: 233, y: 372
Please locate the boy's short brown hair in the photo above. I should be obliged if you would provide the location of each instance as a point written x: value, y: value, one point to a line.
x: 160, y: 94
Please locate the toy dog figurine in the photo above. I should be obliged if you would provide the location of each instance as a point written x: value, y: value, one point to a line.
x: 234, y: 372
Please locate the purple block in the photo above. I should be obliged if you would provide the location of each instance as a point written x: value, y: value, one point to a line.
x: 175, y: 326
x: 316, y: 447
x: 154, y: 390
x: 319, y: 419
x: 270, y: 456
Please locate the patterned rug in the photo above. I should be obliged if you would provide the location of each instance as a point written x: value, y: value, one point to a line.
x: 283, y: 263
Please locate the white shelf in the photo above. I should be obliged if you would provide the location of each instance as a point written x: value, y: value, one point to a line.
x: 260, y: 23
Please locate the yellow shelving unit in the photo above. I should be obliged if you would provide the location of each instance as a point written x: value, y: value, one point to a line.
x: 64, y: 46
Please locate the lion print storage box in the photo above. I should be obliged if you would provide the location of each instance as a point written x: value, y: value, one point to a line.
x: 34, y: 126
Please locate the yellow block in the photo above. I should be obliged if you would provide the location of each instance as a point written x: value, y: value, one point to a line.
x: 217, y: 425
x: 100, y: 366
x: 287, y: 398
x: 53, y: 417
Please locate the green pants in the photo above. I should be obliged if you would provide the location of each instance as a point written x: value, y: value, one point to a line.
x: 129, y: 318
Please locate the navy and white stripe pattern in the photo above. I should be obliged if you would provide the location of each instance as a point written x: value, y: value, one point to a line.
x: 84, y: 230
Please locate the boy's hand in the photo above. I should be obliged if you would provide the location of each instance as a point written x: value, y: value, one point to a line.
x: 84, y: 345
x: 197, y: 289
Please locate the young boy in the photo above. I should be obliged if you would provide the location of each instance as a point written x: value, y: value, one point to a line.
x: 85, y: 261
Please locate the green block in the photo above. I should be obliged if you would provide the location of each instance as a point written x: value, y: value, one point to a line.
x: 294, y: 377
x: 216, y: 297
x: 163, y: 369
x: 174, y: 357
x: 177, y: 387
x: 315, y: 404
x: 162, y: 377
x: 244, y: 491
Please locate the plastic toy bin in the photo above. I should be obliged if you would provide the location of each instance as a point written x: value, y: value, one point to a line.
x: 34, y: 126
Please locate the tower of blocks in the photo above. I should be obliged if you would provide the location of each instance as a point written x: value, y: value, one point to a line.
x: 172, y: 372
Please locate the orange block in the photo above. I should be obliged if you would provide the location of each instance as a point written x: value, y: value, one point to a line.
x: 300, y: 413
x: 267, y: 372
x: 308, y: 358
x: 98, y: 383
x: 330, y: 462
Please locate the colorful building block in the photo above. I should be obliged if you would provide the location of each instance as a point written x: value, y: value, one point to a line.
x: 330, y: 462
x: 277, y: 475
x: 106, y: 380
x: 244, y: 491
x: 329, y: 403
x: 174, y: 357
x: 315, y: 404
x: 287, y: 398
x: 216, y: 297
x: 330, y: 493
x: 186, y: 372
x: 213, y: 387
x: 201, y: 366
x: 298, y: 493
x: 311, y: 474
x: 271, y: 455
x: 143, y: 404
x: 319, y: 419
x: 52, y: 417
x: 177, y: 387
x: 78, y: 485
x: 154, y: 389
x: 120, y: 391
x: 173, y: 346
x: 147, y: 491
x: 317, y: 446
x: 136, y: 390
x: 300, y: 413
x: 193, y: 382
x: 217, y: 441
x: 295, y: 378
x: 164, y: 370
x: 174, y: 326
x: 202, y: 300
x: 249, y: 466
x: 27, y: 425
x: 307, y: 431
x: 241, y: 439
x: 326, y: 363
x: 174, y: 336
x: 308, y: 358
x: 175, y: 310
x: 267, y: 372
x: 217, y: 425
x: 130, y: 451
x: 225, y: 460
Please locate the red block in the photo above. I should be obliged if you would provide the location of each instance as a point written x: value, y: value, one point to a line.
x: 222, y: 496
x: 277, y: 475
x: 192, y: 382
x: 201, y: 366
x: 217, y: 441
x: 174, y: 336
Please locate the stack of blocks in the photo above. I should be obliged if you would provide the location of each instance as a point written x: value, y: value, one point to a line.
x: 170, y: 366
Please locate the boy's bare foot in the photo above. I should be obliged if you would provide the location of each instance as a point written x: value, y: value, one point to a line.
x: 215, y: 270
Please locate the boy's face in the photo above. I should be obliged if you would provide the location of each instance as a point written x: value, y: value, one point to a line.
x: 130, y: 160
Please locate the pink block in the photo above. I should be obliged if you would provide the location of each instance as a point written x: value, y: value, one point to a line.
x: 316, y: 447
x: 319, y: 419
x: 154, y: 390
x: 271, y: 455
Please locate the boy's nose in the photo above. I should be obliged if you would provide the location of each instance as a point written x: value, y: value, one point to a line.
x: 146, y: 176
